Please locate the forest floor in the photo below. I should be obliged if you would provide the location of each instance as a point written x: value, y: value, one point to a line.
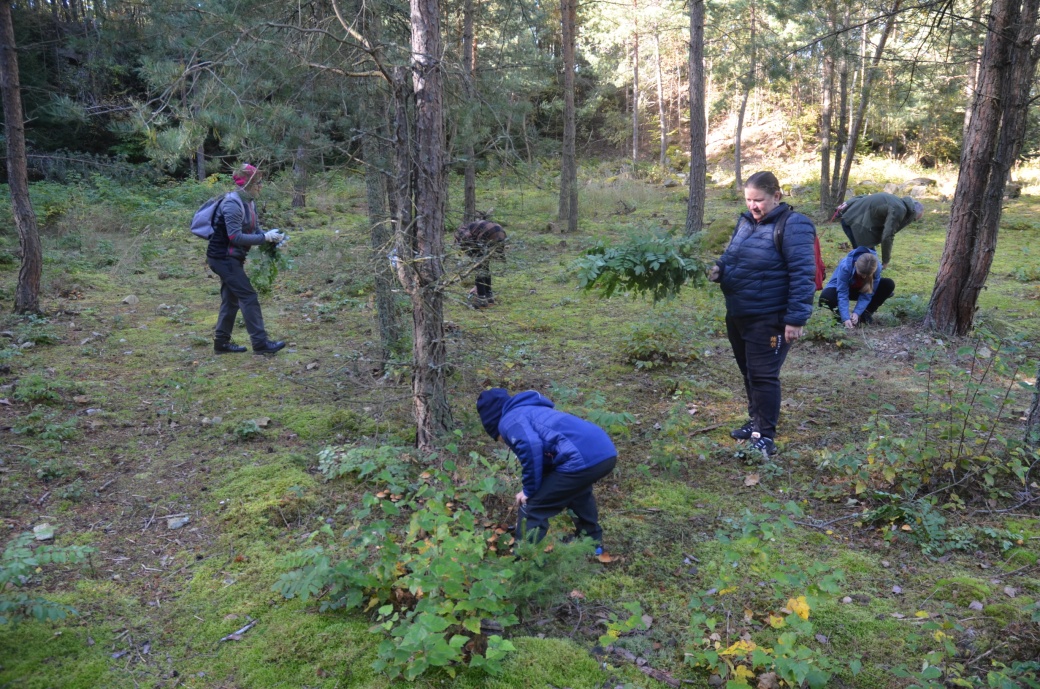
x: 119, y: 422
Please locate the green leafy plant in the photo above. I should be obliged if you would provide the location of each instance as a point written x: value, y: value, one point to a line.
x: 19, y: 565
x: 248, y: 430
x: 953, y: 448
x: 774, y: 598
x: 36, y: 389
x: 424, y: 556
x: 656, y: 265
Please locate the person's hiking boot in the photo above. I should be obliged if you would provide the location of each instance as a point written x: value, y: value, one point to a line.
x: 744, y: 432
x: 763, y: 444
x: 867, y: 318
x: 268, y: 347
x: 227, y: 347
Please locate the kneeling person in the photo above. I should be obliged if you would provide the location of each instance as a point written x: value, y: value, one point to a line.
x: 561, y: 457
x: 857, y: 278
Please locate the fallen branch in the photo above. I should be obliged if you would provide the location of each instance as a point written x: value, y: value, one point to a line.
x: 237, y: 636
x: 698, y: 431
x: 644, y: 667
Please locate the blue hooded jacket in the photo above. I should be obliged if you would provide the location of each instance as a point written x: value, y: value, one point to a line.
x: 758, y: 280
x: 546, y: 440
x: 842, y: 278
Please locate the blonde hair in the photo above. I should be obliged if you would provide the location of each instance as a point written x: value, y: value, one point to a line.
x: 867, y: 267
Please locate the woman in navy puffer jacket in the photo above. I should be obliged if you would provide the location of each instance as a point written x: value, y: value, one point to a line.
x: 769, y: 292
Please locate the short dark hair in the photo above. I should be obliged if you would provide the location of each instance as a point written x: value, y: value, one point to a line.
x: 766, y: 181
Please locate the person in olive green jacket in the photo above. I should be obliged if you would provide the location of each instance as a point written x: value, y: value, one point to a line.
x: 875, y: 218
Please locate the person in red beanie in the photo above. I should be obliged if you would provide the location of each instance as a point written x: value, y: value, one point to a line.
x: 236, y: 230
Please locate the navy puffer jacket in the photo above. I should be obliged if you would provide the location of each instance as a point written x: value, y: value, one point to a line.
x: 757, y: 280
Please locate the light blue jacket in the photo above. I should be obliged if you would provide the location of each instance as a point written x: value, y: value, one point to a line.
x: 843, y: 277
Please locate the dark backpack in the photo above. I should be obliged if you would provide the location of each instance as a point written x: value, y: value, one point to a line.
x: 202, y: 223
x: 778, y: 241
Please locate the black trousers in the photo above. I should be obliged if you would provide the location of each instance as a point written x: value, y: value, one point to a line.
x: 848, y: 233
x: 559, y: 492
x: 483, y: 280
x: 237, y: 293
x: 886, y: 287
x: 760, y: 350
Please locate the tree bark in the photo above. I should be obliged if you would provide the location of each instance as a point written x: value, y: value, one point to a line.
x: 469, y: 59
x: 635, y: 83
x: 864, y: 97
x: 200, y: 163
x: 995, y: 134
x: 299, y: 169
x: 698, y: 125
x: 27, y: 293
x: 568, y: 213
x: 661, y: 109
x: 1032, y: 436
x: 429, y: 391
x: 827, y: 202
x: 378, y: 191
x: 747, y: 83
x: 972, y: 75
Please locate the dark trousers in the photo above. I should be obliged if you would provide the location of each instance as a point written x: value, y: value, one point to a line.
x: 829, y: 297
x: 760, y: 350
x: 848, y: 233
x: 237, y: 293
x: 483, y: 280
x: 559, y: 492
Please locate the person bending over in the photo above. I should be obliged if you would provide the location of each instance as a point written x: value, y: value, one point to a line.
x: 876, y: 218
x: 561, y: 457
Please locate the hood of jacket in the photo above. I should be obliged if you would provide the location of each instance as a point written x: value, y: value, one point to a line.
x: 530, y: 398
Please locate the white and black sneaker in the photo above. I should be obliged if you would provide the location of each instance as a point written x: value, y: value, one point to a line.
x: 744, y: 432
x: 762, y: 444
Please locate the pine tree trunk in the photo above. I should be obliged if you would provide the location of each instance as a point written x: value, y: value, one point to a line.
x: 635, y: 86
x: 842, y: 141
x: 827, y: 202
x: 568, y: 213
x: 200, y: 163
x: 429, y: 391
x: 299, y: 169
x: 864, y: 97
x: 662, y: 116
x: 995, y: 134
x: 1032, y: 436
x: 469, y: 58
x: 698, y: 126
x: 378, y: 176
x: 747, y: 83
x: 27, y: 293
x: 972, y: 75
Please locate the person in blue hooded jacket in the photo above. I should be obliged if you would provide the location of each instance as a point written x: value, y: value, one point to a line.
x: 857, y: 278
x: 769, y: 287
x: 561, y: 457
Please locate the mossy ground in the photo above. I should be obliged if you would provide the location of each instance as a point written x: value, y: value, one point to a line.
x: 162, y: 427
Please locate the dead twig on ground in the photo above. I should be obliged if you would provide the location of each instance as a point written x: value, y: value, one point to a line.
x: 237, y: 635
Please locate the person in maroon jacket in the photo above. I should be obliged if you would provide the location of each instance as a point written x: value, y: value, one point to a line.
x: 236, y: 231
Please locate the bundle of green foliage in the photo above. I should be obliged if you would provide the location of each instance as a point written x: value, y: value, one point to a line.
x: 18, y: 566
x: 658, y: 265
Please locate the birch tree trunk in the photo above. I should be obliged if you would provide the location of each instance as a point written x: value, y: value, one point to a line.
x: 27, y: 293
x: 698, y: 126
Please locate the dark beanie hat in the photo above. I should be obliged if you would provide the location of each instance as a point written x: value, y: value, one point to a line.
x: 489, y: 406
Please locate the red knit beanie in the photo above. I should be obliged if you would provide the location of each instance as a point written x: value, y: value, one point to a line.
x: 244, y: 175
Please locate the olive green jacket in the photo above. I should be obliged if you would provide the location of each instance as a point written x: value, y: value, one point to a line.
x: 875, y: 218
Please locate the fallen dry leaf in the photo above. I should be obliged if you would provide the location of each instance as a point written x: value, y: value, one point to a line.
x: 975, y: 605
x: 751, y: 480
x: 81, y: 399
x: 576, y: 594
x: 1011, y: 591
x: 263, y: 422
x: 313, y: 365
